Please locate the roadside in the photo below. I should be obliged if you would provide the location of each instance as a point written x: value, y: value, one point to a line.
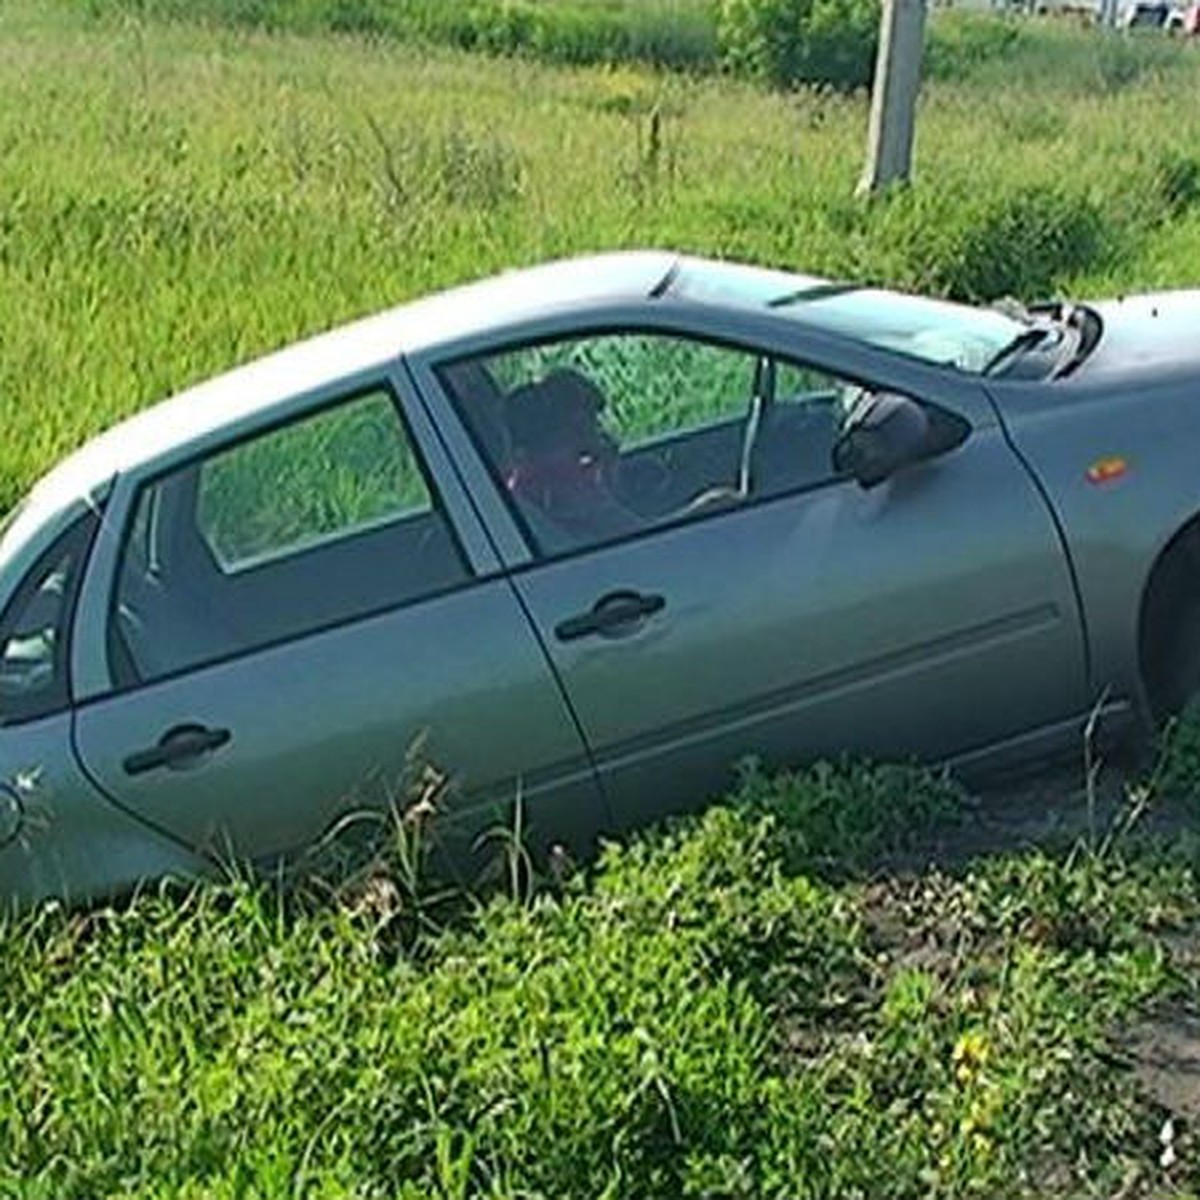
x: 1057, y: 814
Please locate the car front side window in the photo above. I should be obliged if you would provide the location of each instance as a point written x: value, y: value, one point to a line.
x: 319, y: 521
x: 601, y: 437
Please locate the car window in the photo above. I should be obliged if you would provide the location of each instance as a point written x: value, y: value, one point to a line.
x: 343, y: 471
x: 325, y: 519
x: 34, y: 629
x: 600, y: 437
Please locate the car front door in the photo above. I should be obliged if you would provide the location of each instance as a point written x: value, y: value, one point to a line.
x: 709, y: 587
x: 306, y: 622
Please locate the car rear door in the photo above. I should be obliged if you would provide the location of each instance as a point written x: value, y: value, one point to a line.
x: 933, y: 615
x: 301, y: 624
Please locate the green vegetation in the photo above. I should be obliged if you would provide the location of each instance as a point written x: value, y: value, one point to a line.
x: 785, y: 42
x: 731, y: 1007
x: 698, y: 1018
x: 782, y: 42
x: 176, y: 199
x: 671, y: 33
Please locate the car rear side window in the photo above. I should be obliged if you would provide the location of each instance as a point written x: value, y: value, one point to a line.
x: 336, y: 474
x: 323, y: 520
x: 35, y: 628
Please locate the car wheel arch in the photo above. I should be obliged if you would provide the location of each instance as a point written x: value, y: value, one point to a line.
x: 1168, y: 629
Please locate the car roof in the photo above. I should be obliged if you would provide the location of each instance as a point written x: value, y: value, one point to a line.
x: 356, y: 347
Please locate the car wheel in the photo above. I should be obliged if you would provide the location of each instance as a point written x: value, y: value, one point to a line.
x: 1179, y: 667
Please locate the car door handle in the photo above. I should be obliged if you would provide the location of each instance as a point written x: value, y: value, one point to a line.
x: 179, y: 747
x: 610, y: 616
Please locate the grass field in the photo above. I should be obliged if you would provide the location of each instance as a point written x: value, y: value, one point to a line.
x: 731, y: 1010
x: 739, y: 1007
x: 176, y: 199
x: 675, y: 33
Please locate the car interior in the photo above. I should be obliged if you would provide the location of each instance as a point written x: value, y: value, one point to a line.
x: 783, y: 443
x: 176, y: 607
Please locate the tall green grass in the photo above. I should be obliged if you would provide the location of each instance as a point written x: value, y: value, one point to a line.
x: 783, y: 41
x: 176, y: 199
x: 671, y: 33
x: 701, y: 1018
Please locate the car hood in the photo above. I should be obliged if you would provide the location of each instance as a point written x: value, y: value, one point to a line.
x: 1146, y: 335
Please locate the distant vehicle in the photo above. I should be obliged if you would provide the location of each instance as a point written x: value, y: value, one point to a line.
x: 590, y: 533
x: 1185, y: 21
x: 1144, y: 14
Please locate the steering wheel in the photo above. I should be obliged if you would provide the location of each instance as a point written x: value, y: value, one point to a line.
x: 711, y: 498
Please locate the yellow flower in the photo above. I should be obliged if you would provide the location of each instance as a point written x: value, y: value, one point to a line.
x: 968, y: 1056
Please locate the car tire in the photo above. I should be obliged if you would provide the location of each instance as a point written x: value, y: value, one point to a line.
x: 1179, y: 666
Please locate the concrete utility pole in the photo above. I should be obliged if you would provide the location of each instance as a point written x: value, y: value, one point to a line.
x: 894, y: 99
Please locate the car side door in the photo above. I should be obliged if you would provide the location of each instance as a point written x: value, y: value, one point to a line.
x: 293, y: 621
x: 752, y: 599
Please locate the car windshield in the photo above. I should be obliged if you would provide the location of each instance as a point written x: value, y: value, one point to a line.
x: 936, y: 331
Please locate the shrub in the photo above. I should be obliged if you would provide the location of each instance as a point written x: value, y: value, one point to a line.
x: 1022, y: 243
x: 975, y: 247
x: 788, y: 42
x: 842, y: 815
x: 1177, y: 181
x: 956, y: 44
x: 1119, y: 63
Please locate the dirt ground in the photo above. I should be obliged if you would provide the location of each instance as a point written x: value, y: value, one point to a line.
x: 1057, y: 810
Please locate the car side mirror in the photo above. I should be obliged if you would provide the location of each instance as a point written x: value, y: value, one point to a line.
x: 883, y: 432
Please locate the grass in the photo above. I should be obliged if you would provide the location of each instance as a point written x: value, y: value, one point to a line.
x: 736, y: 1006
x: 176, y: 199
x: 670, y: 33
x: 701, y: 1016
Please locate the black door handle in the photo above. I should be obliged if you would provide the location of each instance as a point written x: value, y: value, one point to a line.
x: 610, y: 615
x: 179, y: 747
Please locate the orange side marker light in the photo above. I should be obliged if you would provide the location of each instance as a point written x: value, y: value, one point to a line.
x: 1105, y: 470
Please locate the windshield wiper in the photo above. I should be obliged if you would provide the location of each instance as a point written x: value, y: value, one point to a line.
x: 1089, y: 328
x: 818, y: 291
x: 1027, y: 339
x: 1077, y: 325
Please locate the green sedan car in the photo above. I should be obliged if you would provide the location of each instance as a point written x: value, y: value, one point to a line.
x: 588, y: 535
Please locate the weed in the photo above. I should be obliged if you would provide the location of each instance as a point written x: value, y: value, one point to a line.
x: 1176, y: 771
x: 1178, y: 180
x: 788, y: 42
x: 847, y: 814
x: 962, y: 42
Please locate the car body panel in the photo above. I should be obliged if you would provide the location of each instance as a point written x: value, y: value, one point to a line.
x: 1145, y: 338
x: 1116, y: 529
x: 361, y: 697
x: 832, y: 620
x: 71, y: 844
x: 328, y: 724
